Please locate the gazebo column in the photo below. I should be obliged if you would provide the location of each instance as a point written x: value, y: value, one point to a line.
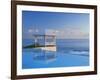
x: 35, y: 40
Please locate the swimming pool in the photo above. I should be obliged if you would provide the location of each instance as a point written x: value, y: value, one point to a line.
x: 69, y: 53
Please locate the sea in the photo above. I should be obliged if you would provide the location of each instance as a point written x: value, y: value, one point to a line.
x: 69, y: 53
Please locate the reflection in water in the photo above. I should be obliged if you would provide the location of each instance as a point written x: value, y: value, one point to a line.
x: 42, y: 55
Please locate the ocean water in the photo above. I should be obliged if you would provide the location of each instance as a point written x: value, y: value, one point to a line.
x: 70, y: 52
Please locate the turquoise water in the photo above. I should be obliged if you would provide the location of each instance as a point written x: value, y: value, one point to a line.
x: 70, y: 52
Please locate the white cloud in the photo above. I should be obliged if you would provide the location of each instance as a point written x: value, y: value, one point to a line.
x: 72, y: 33
x: 66, y: 33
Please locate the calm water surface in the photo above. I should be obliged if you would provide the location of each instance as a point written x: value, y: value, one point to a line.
x: 70, y: 52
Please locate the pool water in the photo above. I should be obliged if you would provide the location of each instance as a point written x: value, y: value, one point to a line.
x: 69, y: 53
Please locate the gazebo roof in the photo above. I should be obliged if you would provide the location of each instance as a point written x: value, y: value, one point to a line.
x: 44, y: 35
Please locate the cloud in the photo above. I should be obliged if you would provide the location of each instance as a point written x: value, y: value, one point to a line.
x: 66, y: 33
x: 72, y: 33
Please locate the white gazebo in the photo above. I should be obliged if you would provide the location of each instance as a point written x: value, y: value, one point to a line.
x: 49, y: 39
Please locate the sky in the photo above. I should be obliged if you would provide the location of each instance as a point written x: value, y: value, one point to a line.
x: 65, y: 25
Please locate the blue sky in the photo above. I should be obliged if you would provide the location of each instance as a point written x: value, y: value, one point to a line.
x: 67, y: 25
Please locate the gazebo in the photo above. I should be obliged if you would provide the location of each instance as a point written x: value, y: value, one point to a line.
x: 49, y: 42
